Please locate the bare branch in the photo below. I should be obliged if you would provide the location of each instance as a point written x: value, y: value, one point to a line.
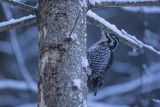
x: 20, y: 5
x: 101, y: 104
x: 17, y: 51
x: 126, y: 87
x: 5, y: 47
x: 122, y: 3
x: 125, y: 38
x: 13, y: 23
x: 144, y: 81
x: 29, y: 105
x: 16, y: 85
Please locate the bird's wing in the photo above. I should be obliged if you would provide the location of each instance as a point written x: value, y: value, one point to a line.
x: 99, y: 58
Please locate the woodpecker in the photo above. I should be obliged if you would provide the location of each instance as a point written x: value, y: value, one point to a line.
x: 100, y: 58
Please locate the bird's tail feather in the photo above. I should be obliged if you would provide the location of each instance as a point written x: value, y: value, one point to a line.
x: 95, y: 91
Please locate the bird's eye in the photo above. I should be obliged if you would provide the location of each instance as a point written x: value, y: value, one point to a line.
x: 113, y: 36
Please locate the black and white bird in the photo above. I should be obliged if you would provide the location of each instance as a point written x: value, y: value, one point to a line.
x: 100, y: 57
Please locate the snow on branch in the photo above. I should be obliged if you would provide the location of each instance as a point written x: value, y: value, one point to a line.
x: 124, y: 37
x: 13, y: 23
x: 146, y: 10
x: 17, y: 85
x: 17, y: 51
x: 122, y: 3
x: 20, y: 5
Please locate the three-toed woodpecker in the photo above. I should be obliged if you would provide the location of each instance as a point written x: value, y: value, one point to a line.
x: 100, y: 57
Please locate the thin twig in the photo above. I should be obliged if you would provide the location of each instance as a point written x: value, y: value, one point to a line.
x: 20, y: 5
x: 14, y: 23
x: 124, y: 37
x: 74, y: 24
x: 121, y: 3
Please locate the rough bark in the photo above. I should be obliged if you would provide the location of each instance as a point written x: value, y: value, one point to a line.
x: 63, y: 80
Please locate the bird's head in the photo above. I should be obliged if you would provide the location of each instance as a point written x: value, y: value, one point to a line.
x: 113, y: 42
x: 111, y: 39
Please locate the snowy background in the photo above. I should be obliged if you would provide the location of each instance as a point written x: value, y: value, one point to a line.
x: 133, y: 80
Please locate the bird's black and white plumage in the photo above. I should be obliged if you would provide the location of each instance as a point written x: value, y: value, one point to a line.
x: 100, y: 57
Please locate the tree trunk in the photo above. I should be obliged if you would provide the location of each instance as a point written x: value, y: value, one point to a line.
x: 62, y: 40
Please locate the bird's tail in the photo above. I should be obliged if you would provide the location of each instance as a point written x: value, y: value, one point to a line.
x: 95, y: 91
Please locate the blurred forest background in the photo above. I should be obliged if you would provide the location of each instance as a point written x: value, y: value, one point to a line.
x: 133, y: 80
